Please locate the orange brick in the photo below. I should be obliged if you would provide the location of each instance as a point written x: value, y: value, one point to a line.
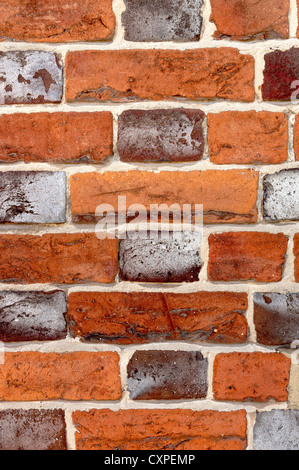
x: 251, y: 376
x: 160, y: 430
x: 134, y: 75
x: 296, y: 136
x: 56, y: 137
x: 296, y: 253
x: 32, y: 376
x: 64, y: 258
x: 216, y: 190
x: 245, y: 256
x: 248, y: 137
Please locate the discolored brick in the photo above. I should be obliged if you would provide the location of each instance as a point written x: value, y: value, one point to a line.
x: 281, y: 75
x: 160, y: 135
x: 160, y: 430
x: 245, y: 256
x: 134, y: 75
x: 35, y: 376
x: 145, y: 317
x: 165, y: 257
x: 32, y: 316
x: 248, y: 137
x: 162, y: 20
x: 57, y: 258
x: 32, y: 430
x: 281, y: 195
x: 56, y: 137
x: 276, y: 318
x: 215, y: 189
x: 276, y: 430
x: 258, y: 377
x: 33, y: 197
x: 30, y: 77
x: 167, y: 375
x: 56, y: 20
x: 251, y: 19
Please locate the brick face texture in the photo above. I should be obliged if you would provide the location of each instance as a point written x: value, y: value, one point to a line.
x: 152, y: 113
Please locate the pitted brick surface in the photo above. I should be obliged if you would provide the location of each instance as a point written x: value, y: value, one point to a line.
x: 277, y: 430
x: 281, y: 196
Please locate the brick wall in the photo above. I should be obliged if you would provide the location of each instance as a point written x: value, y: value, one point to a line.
x: 181, y: 344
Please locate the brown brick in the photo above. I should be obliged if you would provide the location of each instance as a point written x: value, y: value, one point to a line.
x: 34, y: 376
x: 167, y: 375
x: 56, y: 20
x: 296, y: 136
x: 56, y: 137
x: 257, y: 377
x: 251, y: 19
x: 160, y: 430
x: 160, y: 135
x: 144, y: 317
x: 248, y: 137
x: 60, y: 258
x: 245, y: 256
x: 133, y: 75
x: 215, y: 189
x: 32, y: 430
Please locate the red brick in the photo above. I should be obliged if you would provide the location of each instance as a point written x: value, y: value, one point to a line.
x: 216, y: 190
x: 248, y: 137
x: 296, y: 253
x: 255, y: 376
x: 236, y: 256
x: 63, y: 258
x: 56, y: 137
x: 251, y: 19
x: 134, y: 75
x: 281, y: 75
x: 160, y: 430
x: 34, y: 376
x: 56, y: 20
x: 296, y: 136
x: 144, y: 317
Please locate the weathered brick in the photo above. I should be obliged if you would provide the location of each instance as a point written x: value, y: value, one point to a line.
x: 145, y: 317
x: 134, y: 75
x: 60, y: 258
x: 281, y: 75
x: 160, y: 430
x: 258, y: 377
x: 56, y: 137
x: 215, y: 189
x: 167, y: 375
x: 276, y: 318
x: 34, y: 376
x: 251, y: 19
x: 281, y: 195
x: 165, y: 257
x: 293, y: 386
x: 160, y: 135
x: 296, y: 253
x: 276, y: 430
x: 32, y: 316
x: 245, y: 256
x: 162, y: 20
x: 56, y: 21
x: 28, y: 197
x: 32, y: 430
x: 30, y: 77
x: 248, y: 137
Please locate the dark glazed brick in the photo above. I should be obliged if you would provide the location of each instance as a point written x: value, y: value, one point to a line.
x: 281, y: 71
x: 30, y: 77
x: 162, y: 20
x: 163, y: 258
x: 281, y: 196
x: 276, y: 318
x: 33, y: 197
x: 160, y: 135
x: 167, y: 375
x: 277, y: 430
x: 145, y: 317
x: 32, y: 430
x: 32, y: 316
